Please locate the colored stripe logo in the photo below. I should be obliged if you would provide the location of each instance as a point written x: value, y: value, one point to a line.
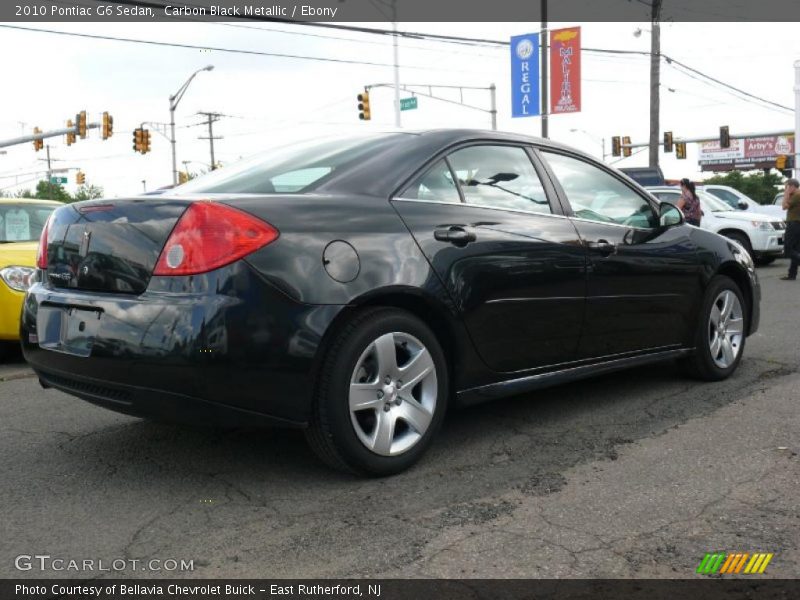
x: 732, y: 563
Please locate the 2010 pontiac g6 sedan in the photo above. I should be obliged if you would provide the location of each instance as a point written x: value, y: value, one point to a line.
x: 355, y: 287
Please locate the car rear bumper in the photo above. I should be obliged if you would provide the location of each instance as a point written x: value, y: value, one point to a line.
x: 226, y: 347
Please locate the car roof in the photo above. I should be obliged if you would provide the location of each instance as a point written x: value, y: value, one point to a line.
x: 30, y: 201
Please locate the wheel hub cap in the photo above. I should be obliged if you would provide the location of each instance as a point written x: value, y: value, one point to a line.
x: 393, y: 393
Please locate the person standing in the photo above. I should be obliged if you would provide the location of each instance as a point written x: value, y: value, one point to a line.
x: 689, y: 204
x: 791, y: 242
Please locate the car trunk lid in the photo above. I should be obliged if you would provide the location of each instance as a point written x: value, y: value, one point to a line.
x: 109, y: 245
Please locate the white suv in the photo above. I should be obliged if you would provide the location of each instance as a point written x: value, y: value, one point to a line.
x: 739, y: 201
x: 761, y: 235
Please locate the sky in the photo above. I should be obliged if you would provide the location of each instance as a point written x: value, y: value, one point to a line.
x: 268, y: 101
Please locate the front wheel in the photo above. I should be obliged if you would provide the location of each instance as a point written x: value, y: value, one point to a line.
x: 381, y: 395
x: 721, y: 332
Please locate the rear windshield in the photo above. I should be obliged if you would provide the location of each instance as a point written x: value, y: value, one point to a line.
x: 290, y: 169
x: 23, y: 222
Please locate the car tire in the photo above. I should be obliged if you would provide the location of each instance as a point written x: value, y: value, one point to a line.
x: 714, y: 358
x: 764, y: 261
x: 364, y: 420
x: 743, y: 240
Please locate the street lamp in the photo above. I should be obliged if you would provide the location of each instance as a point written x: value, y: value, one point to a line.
x: 601, y: 141
x: 173, y: 104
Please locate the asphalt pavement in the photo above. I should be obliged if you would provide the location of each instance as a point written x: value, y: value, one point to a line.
x: 635, y: 474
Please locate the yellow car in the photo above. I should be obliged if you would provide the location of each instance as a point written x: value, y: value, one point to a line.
x: 21, y: 224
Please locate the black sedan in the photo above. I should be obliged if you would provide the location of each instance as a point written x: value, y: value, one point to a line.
x: 355, y: 287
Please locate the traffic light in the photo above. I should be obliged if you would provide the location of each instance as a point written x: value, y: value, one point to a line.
x: 183, y: 177
x: 80, y: 118
x: 363, y: 106
x: 667, y: 141
x: 680, y: 150
x: 80, y: 178
x: 616, y: 146
x: 724, y: 137
x: 71, y: 135
x: 780, y: 162
x: 145, y: 141
x: 108, y: 125
x: 626, y: 149
x: 138, y: 137
x: 38, y: 144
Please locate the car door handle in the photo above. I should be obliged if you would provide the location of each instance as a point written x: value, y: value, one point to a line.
x: 602, y: 247
x: 455, y: 235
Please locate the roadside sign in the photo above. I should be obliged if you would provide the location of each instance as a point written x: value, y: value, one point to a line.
x: 525, y: 99
x: 408, y: 103
x: 565, y: 70
x: 58, y: 180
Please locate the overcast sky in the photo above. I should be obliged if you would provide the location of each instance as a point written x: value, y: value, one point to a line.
x: 269, y: 100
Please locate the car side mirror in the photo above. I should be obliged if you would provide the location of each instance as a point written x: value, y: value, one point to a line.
x: 669, y: 215
x: 742, y: 205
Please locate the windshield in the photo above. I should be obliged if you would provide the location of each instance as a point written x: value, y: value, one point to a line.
x: 23, y: 222
x: 712, y: 203
x: 290, y: 169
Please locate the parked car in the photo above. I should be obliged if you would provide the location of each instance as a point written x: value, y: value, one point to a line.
x: 761, y: 235
x: 739, y: 201
x: 21, y: 222
x: 357, y: 286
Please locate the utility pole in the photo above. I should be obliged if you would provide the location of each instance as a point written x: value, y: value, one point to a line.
x: 545, y: 76
x: 655, y: 80
x: 211, y: 117
x: 49, y: 173
x: 397, y: 120
x: 493, y: 105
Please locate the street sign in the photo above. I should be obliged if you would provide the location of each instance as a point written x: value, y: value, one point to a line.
x: 58, y: 180
x: 408, y: 103
x: 525, y: 75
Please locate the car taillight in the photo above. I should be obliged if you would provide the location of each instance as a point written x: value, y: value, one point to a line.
x: 210, y: 235
x: 41, y: 251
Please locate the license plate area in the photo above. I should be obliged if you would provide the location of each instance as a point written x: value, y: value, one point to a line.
x: 68, y: 329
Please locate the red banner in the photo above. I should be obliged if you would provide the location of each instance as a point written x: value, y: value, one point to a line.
x: 565, y: 70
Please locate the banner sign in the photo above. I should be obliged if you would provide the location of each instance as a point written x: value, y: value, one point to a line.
x: 525, y: 99
x: 748, y: 153
x: 565, y: 68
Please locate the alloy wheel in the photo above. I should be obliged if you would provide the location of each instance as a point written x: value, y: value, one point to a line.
x: 393, y: 393
x: 725, y: 329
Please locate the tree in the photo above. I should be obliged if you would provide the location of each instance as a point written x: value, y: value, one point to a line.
x: 51, y: 191
x: 88, y: 192
x: 760, y: 186
x: 23, y: 194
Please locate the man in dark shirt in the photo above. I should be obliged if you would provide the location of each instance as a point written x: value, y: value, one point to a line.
x: 791, y: 204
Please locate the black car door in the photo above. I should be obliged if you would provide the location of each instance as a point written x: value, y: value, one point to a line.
x: 513, y: 265
x: 643, y: 279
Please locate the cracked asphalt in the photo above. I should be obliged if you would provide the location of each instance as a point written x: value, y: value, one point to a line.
x: 635, y: 474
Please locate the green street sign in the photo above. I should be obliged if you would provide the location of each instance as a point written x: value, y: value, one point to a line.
x: 408, y: 103
x: 59, y: 180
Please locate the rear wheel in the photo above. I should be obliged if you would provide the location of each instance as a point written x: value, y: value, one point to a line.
x: 720, y: 336
x: 765, y: 260
x: 743, y: 240
x: 381, y: 396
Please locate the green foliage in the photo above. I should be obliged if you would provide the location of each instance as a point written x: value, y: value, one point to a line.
x: 24, y: 194
x: 760, y: 186
x: 88, y: 192
x: 51, y: 191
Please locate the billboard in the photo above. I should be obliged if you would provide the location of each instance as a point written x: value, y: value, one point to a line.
x: 525, y: 98
x: 565, y: 68
x: 747, y: 153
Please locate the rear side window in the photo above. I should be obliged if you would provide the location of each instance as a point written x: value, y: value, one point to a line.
x: 436, y: 185
x: 499, y: 177
x: 596, y: 195
x: 725, y: 195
